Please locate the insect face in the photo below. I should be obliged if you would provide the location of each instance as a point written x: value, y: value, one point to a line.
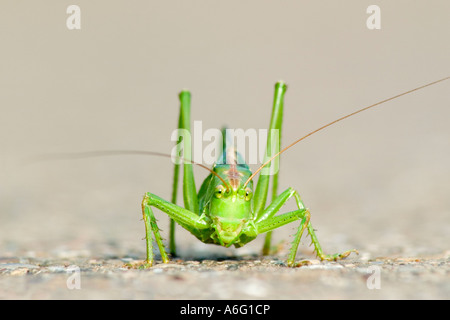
x: 230, y: 211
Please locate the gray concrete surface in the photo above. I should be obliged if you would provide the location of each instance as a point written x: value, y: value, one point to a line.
x: 378, y: 182
x: 236, y: 278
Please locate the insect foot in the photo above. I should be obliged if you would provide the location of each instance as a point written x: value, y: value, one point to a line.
x: 337, y: 256
x: 299, y: 264
x: 145, y: 265
x: 326, y: 257
x: 138, y: 265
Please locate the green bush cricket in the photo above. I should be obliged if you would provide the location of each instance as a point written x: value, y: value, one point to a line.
x: 227, y: 210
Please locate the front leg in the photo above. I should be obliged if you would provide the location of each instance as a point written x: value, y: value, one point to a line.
x: 268, y: 221
x: 187, y: 219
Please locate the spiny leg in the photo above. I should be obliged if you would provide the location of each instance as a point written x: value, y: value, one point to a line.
x: 315, y: 241
x: 151, y: 226
x: 263, y: 182
x: 268, y: 221
x: 319, y: 252
x: 189, y: 190
x: 176, y: 170
x: 283, y: 219
x: 189, y: 220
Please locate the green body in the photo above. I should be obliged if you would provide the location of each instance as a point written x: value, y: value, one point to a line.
x: 226, y: 211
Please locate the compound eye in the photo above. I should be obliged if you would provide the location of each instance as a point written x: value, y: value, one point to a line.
x: 248, y: 194
x: 220, y: 191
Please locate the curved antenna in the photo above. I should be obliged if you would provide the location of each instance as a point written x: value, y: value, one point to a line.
x: 337, y: 120
x: 102, y: 153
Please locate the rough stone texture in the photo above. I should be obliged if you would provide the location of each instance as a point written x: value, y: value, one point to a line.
x: 247, y: 277
x: 378, y: 182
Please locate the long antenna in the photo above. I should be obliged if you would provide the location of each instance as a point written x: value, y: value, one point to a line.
x: 337, y: 120
x: 102, y: 153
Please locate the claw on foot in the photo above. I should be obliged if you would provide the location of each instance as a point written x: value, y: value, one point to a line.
x: 298, y: 264
x: 326, y: 257
x: 139, y: 265
x: 337, y: 256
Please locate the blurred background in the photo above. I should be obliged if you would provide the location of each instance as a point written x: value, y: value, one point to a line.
x: 378, y: 181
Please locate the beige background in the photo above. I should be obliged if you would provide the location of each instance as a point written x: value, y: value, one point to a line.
x: 378, y: 182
